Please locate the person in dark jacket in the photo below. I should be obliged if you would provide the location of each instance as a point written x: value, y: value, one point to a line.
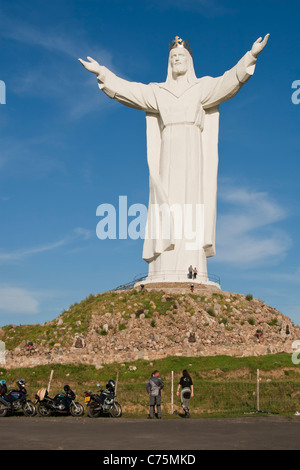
x: 3, y: 388
x: 154, y: 387
x: 187, y: 391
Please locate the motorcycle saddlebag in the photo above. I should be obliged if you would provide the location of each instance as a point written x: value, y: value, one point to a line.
x: 42, y: 393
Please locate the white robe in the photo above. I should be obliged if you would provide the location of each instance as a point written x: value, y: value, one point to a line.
x: 182, y: 151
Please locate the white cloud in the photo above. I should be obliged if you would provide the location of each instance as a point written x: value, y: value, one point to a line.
x: 18, y: 300
x: 54, y: 39
x: 54, y: 78
x: 32, y: 156
x: 26, y: 252
x: 291, y: 277
x: 247, y: 234
x: 78, y: 235
x: 84, y: 233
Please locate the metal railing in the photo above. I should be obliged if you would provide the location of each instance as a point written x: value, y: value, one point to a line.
x: 170, y: 276
x: 131, y: 284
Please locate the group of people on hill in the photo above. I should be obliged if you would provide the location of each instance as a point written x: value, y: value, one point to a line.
x: 155, y: 385
x: 192, y: 272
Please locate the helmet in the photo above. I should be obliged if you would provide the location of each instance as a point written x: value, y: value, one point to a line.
x: 21, y: 382
x: 2, y: 382
x: 66, y: 388
x: 111, y: 383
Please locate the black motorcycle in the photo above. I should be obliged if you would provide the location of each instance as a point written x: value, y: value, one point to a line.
x: 61, y: 403
x: 16, y: 400
x: 104, y: 402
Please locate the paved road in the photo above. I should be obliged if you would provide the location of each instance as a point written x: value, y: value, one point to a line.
x: 67, y: 433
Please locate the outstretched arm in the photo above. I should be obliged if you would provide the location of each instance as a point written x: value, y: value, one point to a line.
x: 259, y: 45
x: 92, y: 65
x: 132, y: 94
x: 217, y: 90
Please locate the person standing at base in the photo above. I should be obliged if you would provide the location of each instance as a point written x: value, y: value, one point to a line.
x: 187, y: 391
x: 154, y: 387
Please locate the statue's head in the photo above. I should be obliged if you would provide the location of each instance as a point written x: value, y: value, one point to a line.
x: 180, y: 60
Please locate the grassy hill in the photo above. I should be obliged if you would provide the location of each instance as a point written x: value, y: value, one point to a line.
x: 224, y: 386
x: 168, y: 328
x: 169, y: 319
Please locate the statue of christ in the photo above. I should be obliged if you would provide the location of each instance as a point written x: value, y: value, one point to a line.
x: 182, y: 116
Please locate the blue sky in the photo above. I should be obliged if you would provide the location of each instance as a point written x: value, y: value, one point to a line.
x: 67, y: 148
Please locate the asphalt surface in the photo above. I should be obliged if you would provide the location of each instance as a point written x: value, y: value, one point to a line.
x: 68, y: 433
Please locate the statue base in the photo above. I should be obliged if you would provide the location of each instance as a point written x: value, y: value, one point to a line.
x: 173, y: 277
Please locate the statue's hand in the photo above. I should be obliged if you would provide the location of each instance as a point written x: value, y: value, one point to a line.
x: 91, y: 66
x: 259, y: 45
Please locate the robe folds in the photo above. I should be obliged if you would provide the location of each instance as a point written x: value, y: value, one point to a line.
x: 182, y: 154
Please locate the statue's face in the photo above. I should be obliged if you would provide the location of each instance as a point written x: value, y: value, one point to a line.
x: 178, y: 61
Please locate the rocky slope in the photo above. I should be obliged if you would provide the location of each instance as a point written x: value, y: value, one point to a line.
x: 158, y: 321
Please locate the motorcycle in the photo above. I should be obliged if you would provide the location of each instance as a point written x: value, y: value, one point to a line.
x: 16, y: 400
x: 61, y: 403
x: 104, y: 402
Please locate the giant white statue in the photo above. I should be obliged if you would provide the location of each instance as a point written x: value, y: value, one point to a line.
x: 182, y: 116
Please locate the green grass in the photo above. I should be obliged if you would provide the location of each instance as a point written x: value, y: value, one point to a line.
x: 77, y: 319
x: 224, y: 386
x: 211, y: 312
x: 273, y: 322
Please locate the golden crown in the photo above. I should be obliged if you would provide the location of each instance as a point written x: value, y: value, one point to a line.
x: 178, y: 42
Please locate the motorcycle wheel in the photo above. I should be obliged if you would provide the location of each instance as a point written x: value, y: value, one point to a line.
x: 77, y: 409
x: 3, y: 411
x: 116, y: 410
x: 43, y: 410
x: 29, y: 409
x: 92, y: 412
